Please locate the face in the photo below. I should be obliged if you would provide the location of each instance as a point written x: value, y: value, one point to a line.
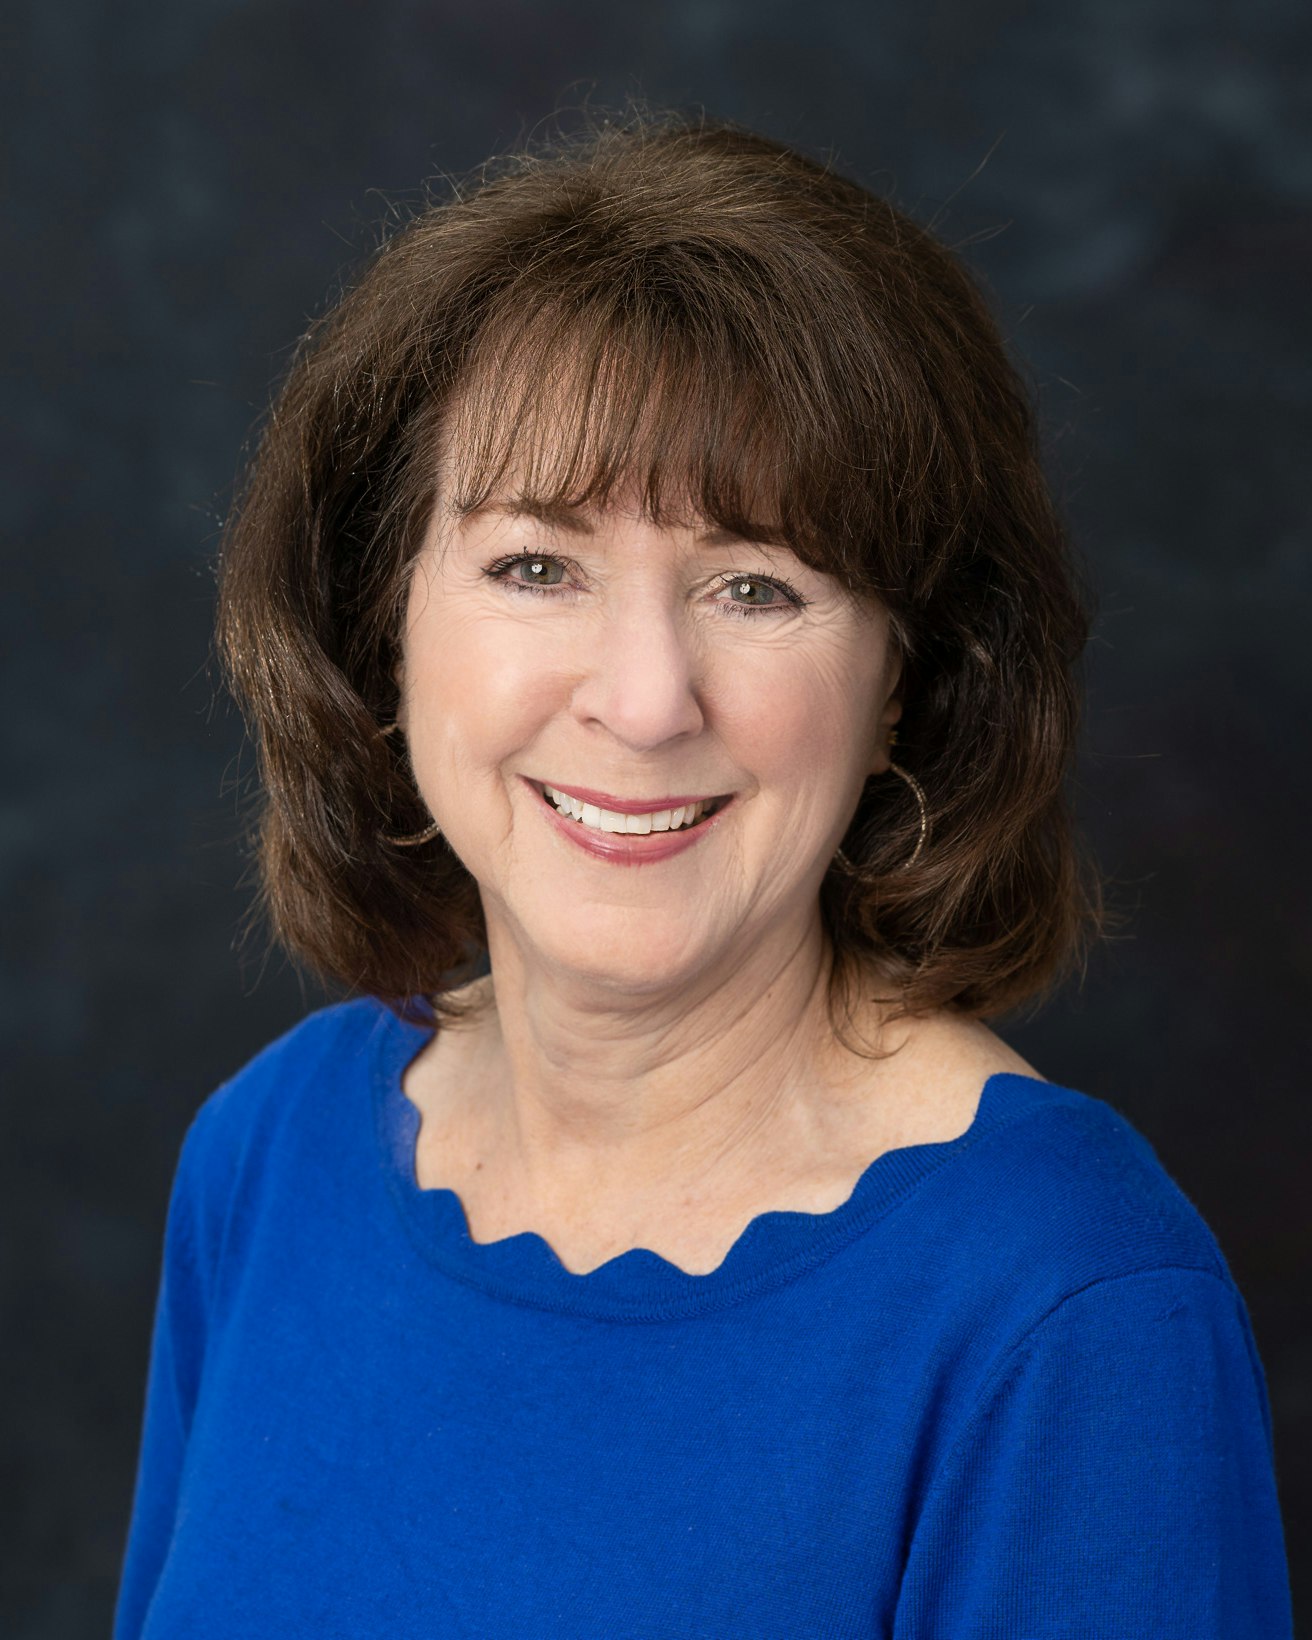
x: 631, y: 669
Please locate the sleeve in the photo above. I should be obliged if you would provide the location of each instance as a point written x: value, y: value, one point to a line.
x: 1116, y: 1481
x: 173, y: 1381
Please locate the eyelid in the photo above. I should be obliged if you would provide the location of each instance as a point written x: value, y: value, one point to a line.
x: 499, y: 570
x: 789, y: 591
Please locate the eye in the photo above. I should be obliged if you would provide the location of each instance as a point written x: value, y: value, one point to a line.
x: 539, y: 570
x: 750, y: 593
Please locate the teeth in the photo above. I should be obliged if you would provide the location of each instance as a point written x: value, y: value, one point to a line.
x: 638, y: 825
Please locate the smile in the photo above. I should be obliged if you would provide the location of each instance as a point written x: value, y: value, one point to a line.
x: 633, y: 823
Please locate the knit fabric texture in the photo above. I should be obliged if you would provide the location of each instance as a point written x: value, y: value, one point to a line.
x: 1007, y: 1391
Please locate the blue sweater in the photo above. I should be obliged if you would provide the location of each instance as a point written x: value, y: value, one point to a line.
x: 1007, y: 1390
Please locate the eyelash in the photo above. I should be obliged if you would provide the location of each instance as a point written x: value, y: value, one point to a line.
x: 500, y: 571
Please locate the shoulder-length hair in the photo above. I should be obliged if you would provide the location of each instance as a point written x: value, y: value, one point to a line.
x: 711, y: 320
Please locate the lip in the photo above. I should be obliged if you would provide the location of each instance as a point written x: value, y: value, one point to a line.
x: 625, y: 805
x: 626, y: 848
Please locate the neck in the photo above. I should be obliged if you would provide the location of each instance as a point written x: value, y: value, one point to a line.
x: 586, y: 1095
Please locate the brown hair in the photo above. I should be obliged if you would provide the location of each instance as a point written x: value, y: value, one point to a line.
x: 722, y: 323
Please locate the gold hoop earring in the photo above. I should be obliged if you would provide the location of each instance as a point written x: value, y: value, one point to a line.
x: 842, y: 860
x: 415, y: 838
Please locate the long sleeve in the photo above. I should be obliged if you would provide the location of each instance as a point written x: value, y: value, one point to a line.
x: 177, y: 1350
x: 1116, y: 1481
x: 1007, y: 1391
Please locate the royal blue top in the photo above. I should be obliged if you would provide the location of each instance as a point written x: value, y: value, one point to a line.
x: 1008, y: 1389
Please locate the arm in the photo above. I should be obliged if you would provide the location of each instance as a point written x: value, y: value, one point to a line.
x: 177, y: 1351
x: 1116, y: 1481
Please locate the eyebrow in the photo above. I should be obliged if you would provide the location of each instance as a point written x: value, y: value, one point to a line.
x: 576, y: 521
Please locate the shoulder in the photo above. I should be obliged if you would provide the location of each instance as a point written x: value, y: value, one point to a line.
x: 330, y: 1040
x: 320, y: 1057
x: 1060, y: 1178
x: 251, y: 1139
x: 1054, y: 1226
x: 1064, y: 1192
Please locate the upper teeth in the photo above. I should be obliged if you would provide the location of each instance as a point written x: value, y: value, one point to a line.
x: 609, y: 820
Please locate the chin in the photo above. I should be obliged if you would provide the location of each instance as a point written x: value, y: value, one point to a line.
x: 621, y: 952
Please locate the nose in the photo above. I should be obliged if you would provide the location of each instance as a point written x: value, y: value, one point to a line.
x: 640, y: 678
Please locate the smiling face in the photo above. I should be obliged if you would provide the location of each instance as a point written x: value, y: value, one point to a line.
x: 597, y: 654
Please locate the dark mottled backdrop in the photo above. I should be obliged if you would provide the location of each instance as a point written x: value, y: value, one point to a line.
x: 1134, y: 180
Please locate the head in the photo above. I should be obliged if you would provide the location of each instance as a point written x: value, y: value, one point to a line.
x: 662, y: 361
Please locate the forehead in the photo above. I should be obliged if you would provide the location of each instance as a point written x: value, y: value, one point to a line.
x: 562, y: 518
x: 560, y: 427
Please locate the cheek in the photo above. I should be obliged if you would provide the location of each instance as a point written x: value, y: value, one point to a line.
x: 800, y: 715
x: 478, y: 691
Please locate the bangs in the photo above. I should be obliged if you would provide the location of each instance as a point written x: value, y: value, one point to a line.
x: 675, y: 409
x: 690, y: 322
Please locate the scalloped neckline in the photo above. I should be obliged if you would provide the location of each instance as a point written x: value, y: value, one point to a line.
x: 775, y: 1247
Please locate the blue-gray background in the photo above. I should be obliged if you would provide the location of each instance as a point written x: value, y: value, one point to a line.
x: 191, y: 179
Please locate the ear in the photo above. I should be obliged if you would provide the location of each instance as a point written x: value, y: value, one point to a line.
x: 398, y: 678
x: 891, y: 714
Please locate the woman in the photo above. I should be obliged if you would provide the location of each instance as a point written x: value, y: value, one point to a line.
x: 660, y: 644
